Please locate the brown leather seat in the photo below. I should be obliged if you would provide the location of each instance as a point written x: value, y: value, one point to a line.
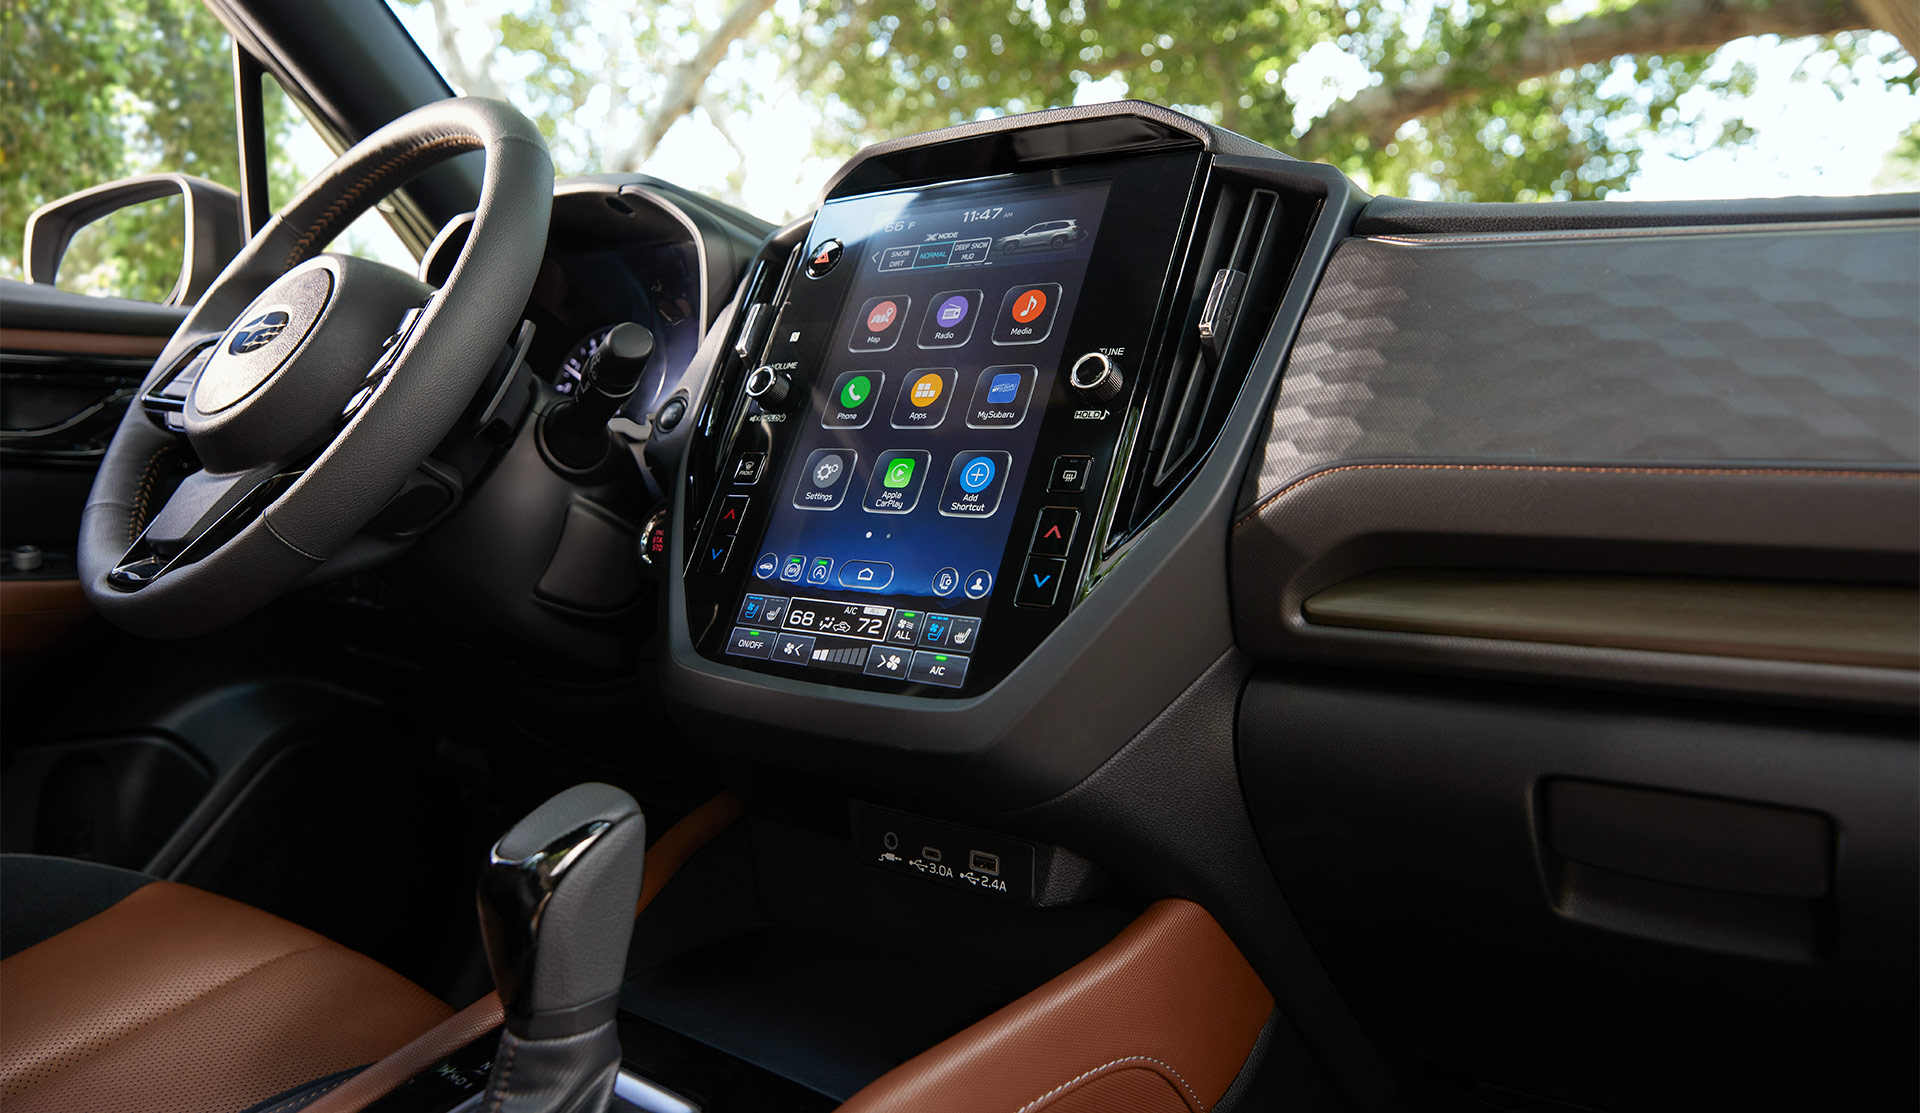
x: 118, y: 991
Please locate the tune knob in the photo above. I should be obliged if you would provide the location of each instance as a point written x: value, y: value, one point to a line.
x: 1096, y: 376
x: 770, y: 388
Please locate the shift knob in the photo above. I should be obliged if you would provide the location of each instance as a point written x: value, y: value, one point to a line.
x: 556, y: 910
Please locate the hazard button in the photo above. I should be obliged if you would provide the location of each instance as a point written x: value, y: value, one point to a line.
x: 1054, y: 534
x: 823, y: 259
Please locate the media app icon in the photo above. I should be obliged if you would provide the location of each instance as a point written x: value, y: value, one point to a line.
x: 1026, y: 313
x: 1029, y: 305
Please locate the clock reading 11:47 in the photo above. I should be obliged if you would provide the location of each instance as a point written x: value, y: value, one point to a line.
x: 971, y: 215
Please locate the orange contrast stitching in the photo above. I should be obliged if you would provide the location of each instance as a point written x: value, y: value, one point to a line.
x: 1103, y: 1069
x: 1817, y: 473
x: 300, y: 246
x: 144, y: 491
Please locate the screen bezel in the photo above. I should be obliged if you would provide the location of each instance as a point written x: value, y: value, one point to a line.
x: 1121, y: 305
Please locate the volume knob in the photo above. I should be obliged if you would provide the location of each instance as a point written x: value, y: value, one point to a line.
x: 1096, y: 376
x: 770, y: 388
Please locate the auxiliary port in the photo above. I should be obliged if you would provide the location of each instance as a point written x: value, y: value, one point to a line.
x: 979, y: 861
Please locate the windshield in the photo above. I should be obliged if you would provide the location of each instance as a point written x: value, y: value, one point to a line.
x: 757, y: 101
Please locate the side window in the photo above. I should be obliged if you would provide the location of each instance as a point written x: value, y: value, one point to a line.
x: 106, y: 89
x: 296, y: 152
x: 95, y: 91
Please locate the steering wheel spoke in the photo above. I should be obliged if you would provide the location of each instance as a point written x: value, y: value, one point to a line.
x: 203, y: 513
x: 165, y: 402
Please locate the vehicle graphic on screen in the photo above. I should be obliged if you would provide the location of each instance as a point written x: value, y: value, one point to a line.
x: 1053, y: 234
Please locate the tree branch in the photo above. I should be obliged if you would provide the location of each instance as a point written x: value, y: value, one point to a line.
x: 1649, y: 27
x: 685, y: 80
x: 474, y: 80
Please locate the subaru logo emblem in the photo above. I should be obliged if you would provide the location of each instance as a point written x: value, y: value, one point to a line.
x: 259, y: 332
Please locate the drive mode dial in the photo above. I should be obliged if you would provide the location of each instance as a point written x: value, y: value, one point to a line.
x: 1096, y: 376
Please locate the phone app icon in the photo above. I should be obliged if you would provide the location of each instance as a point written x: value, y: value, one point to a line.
x: 975, y: 482
x: 850, y: 404
x: 898, y: 475
x: 856, y: 391
x: 1026, y: 313
x: 950, y: 319
x: 925, y: 394
x: 1000, y: 396
x: 823, y: 481
x: 876, y: 328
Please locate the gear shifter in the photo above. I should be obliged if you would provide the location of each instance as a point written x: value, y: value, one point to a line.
x: 556, y: 912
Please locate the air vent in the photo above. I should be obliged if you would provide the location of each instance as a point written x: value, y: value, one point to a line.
x: 1237, y: 284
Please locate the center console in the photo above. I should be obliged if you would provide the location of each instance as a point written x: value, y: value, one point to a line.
x: 963, y: 456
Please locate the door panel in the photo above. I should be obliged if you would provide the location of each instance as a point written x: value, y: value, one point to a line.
x: 69, y: 365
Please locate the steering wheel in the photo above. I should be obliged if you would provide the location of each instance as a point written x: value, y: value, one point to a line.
x: 308, y: 387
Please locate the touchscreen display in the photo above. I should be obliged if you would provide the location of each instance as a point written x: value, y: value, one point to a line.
x: 916, y: 432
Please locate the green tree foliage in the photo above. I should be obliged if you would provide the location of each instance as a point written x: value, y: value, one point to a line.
x: 1480, y: 99
x: 91, y: 91
x: 95, y: 90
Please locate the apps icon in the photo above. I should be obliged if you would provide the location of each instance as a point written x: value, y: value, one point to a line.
x: 876, y: 328
x: 850, y: 403
x: 1000, y: 397
x: 975, y: 482
x: 1026, y: 313
x: 823, y: 481
x: 924, y: 397
x: 898, y: 475
x: 951, y: 316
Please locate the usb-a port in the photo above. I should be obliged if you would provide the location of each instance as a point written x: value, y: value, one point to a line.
x: 979, y: 861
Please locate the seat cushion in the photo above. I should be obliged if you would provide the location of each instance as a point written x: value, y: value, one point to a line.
x: 170, y: 998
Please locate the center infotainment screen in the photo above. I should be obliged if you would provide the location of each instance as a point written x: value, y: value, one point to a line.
x: 917, y: 453
x: 888, y: 521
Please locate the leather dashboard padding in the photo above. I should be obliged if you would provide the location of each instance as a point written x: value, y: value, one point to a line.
x: 664, y: 858
x: 176, y: 999
x: 1160, y: 1019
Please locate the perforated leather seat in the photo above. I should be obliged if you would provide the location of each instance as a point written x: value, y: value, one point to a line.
x: 119, y: 991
